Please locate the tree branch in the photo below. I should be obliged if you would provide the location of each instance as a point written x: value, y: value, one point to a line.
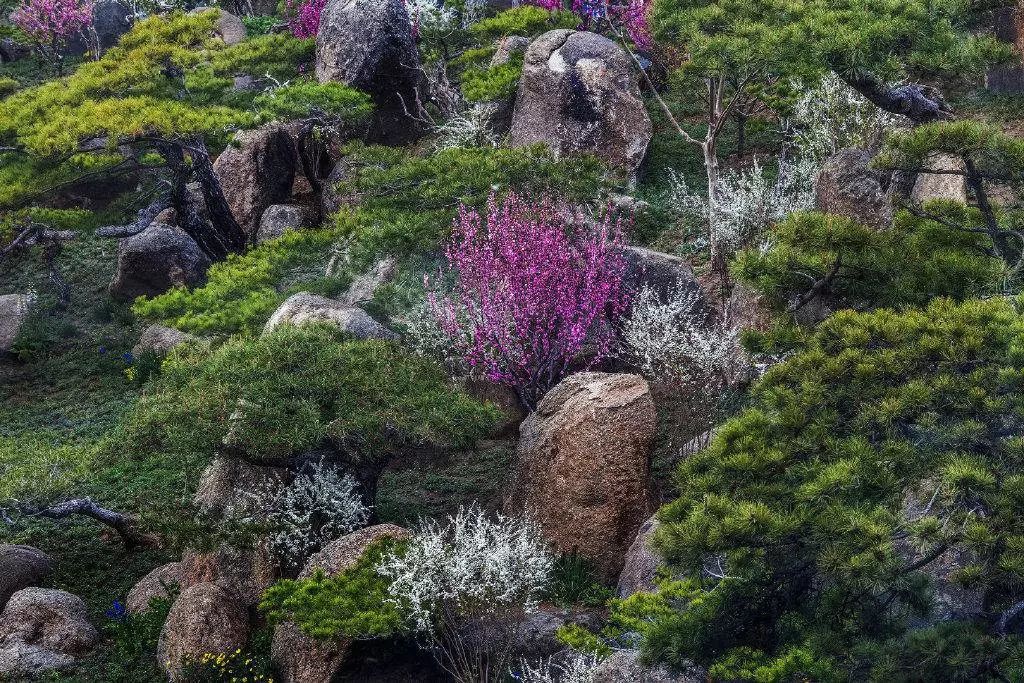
x: 124, y: 525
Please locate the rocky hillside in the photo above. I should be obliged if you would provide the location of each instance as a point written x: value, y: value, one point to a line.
x: 655, y: 341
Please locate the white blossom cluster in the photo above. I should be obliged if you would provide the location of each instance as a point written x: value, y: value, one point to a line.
x: 424, y: 335
x: 319, y: 505
x: 832, y: 116
x: 676, y: 340
x: 748, y: 201
x: 466, y: 128
x: 431, y: 14
x: 577, y: 668
x: 470, y: 567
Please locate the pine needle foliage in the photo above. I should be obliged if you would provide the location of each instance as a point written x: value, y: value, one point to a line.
x: 793, y: 551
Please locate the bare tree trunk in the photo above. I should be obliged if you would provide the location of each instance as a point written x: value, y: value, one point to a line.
x: 125, y: 526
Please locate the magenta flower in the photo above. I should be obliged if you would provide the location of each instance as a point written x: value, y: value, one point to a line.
x: 50, y: 23
x: 534, y: 292
x: 304, y: 17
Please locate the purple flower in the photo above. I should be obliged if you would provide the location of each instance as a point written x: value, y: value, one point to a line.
x: 117, y: 611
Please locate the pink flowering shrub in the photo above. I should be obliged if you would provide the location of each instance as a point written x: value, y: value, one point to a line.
x: 50, y: 23
x: 631, y: 15
x: 531, y: 292
x: 304, y: 17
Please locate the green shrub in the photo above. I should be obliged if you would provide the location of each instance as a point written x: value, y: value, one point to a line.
x: 241, y: 292
x: 353, y: 604
x: 525, y: 20
x: 909, y: 264
x: 481, y: 84
x: 785, y: 541
x: 574, y: 582
x: 407, y: 203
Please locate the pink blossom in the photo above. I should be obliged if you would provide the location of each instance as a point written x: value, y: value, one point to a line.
x: 51, y: 22
x: 304, y: 17
x: 531, y: 292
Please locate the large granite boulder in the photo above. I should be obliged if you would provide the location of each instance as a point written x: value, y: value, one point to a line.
x: 948, y: 186
x: 228, y: 27
x: 228, y: 486
x: 625, y: 666
x: 155, y: 260
x: 661, y: 272
x: 301, y: 658
x: 256, y: 171
x: 43, y: 630
x: 245, y: 573
x: 206, y: 618
x: 847, y: 186
x: 369, y: 45
x: 579, y: 93
x: 304, y: 307
x: 583, y: 466
x: 21, y: 566
x: 14, y: 309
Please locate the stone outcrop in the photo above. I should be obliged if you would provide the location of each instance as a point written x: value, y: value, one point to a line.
x: 155, y: 260
x: 21, y: 566
x: 206, y: 618
x: 1008, y: 79
x: 14, y: 310
x: 304, y: 307
x: 929, y: 186
x: 282, y: 217
x: 579, y: 93
x: 642, y: 562
x: 364, y: 286
x: 228, y: 27
x: 245, y: 573
x: 583, y: 464
x: 43, y: 630
x: 256, y: 171
x: 847, y: 186
x: 497, y: 114
x: 224, y: 485
x: 300, y: 658
x: 369, y: 45
x: 159, y: 583
x: 159, y: 339
x: 625, y: 666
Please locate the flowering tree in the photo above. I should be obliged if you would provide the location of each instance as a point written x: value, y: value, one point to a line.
x: 531, y: 292
x: 466, y: 585
x: 304, y: 17
x: 50, y: 23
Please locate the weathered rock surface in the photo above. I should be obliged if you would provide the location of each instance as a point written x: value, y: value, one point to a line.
x: 300, y: 658
x: 624, y: 666
x: 256, y: 171
x: 364, y: 286
x: 155, y: 260
x: 245, y: 573
x: 304, y: 308
x: 579, y: 93
x: 111, y: 19
x: 501, y: 397
x: 369, y: 45
x: 158, y: 583
x: 929, y: 186
x: 228, y: 28
x: 847, y: 186
x: 21, y: 566
x: 160, y: 339
x: 642, y: 562
x: 206, y: 618
x: 14, y: 309
x: 281, y: 217
x: 227, y: 485
x: 659, y: 271
x: 1008, y: 25
x: 583, y: 465
x: 42, y: 630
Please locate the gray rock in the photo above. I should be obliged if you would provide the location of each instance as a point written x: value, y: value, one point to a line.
x: 12, y: 51
x: 224, y: 483
x: 281, y: 217
x: 847, y: 186
x: 625, y: 666
x: 228, y: 28
x: 43, y: 630
x: 583, y: 466
x: 642, y: 563
x: 158, y: 583
x: 256, y: 171
x: 304, y: 308
x: 206, y: 618
x: 369, y: 45
x: 160, y: 340
x: 14, y: 310
x: 929, y: 186
x: 246, y: 574
x: 21, y: 566
x: 366, y: 285
x: 537, y: 636
x: 111, y: 19
x: 579, y: 93
x: 663, y: 273
x: 155, y: 260
x: 1008, y: 25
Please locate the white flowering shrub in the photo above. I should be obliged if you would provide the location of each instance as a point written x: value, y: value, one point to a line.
x: 747, y: 201
x: 319, y: 505
x: 465, y: 586
x: 423, y: 333
x: 833, y: 116
x: 677, y: 341
x: 577, y: 668
x: 466, y: 128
